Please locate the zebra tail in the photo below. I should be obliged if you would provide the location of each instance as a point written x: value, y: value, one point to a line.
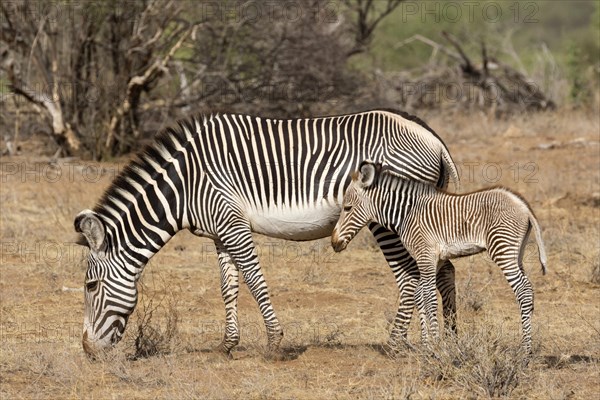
x: 540, y: 243
x: 451, y: 168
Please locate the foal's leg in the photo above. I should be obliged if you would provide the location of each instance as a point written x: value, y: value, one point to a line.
x: 428, y: 299
x: 506, y: 254
x: 406, y: 272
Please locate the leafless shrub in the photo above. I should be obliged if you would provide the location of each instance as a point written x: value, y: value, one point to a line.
x: 471, y: 297
x: 454, y: 78
x: 156, y: 326
x: 85, y: 69
x: 481, y: 362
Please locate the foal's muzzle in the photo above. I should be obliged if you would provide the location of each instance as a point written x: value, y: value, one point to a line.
x: 337, y: 244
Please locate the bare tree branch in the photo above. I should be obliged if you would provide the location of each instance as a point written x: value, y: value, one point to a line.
x: 157, y: 68
x: 468, y: 65
x: 51, y: 101
x: 368, y: 15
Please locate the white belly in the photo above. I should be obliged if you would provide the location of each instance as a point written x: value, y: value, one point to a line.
x: 295, y: 223
x: 456, y: 250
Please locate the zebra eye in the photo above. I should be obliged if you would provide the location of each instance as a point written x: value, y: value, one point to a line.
x: 91, y: 286
x: 347, y: 208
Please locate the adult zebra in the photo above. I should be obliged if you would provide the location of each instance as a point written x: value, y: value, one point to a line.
x: 224, y: 177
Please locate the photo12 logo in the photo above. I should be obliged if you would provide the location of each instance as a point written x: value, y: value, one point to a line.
x: 269, y: 11
x: 493, y: 172
x: 316, y: 252
x: 70, y: 171
x: 471, y: 11
x: 16, y: 332
x: 41, y: 252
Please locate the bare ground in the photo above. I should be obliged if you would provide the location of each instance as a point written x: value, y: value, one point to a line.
x: 335, y: 308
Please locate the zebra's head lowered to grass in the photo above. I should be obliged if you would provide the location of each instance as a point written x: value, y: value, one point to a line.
x: 109, y: 301
x: 357, y: 208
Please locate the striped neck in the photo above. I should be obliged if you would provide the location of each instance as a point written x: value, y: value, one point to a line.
x: 145, y: 206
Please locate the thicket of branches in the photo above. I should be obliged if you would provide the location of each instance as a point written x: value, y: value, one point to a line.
x: 100, y: 77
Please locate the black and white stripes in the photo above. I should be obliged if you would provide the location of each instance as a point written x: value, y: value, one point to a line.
x: 435, y: 226
x: 226, y: 176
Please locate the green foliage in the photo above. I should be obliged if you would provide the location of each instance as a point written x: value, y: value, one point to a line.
x: 575, y: 70
x: 527, y: 24
x: 517, y: 36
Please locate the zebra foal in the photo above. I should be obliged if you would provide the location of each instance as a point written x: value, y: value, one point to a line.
x: 436, y: 226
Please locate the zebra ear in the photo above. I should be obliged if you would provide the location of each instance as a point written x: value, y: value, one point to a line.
x: 88, y: 224
x: 369, y: 172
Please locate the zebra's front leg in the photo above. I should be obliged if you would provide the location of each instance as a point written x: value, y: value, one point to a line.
x: 407, y: 278
x: 427, y: 296
x: 423, y: 321
x: 229, y: 291
x: 239, y: 243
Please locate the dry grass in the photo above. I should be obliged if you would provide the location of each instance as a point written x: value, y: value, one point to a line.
x: 334, y: 307
x: 483, y: 361
x: 595, y: 278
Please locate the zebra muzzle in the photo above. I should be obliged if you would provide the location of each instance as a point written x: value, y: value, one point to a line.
x: 339, y: 245
x: 88, y: 347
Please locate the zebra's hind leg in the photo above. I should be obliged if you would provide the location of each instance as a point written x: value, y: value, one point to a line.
x: 445, y: 282
x: 508, y: 261
x: 239, y: 244
x: 229, y: 291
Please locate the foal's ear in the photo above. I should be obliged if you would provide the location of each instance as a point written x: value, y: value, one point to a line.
x: 368, y: 173
x: 88, y: 224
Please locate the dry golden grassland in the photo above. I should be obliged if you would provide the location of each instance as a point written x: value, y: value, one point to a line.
x: 335, y: 308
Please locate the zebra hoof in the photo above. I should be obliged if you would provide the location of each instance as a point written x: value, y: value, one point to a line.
x: 390, y: 351
x: 224, y: 351
x: 395, y: 349
x: 275, y: 355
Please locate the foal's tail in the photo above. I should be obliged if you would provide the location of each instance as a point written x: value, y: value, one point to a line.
x: 538, y: 238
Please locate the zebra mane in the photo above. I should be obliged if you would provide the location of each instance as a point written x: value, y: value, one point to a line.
x: 412, y: 118
x: 163, y: 144
x: 390, y: 179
